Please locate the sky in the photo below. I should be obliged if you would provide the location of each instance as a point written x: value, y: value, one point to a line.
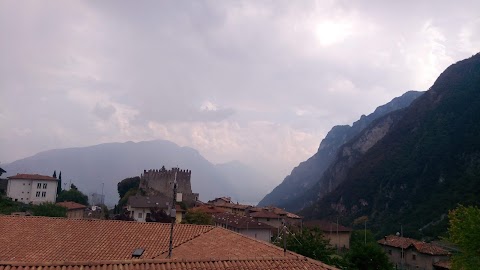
x: 261, y: 82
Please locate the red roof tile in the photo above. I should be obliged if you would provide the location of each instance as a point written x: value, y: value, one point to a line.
x: 41, y: 243
x: 239, y: 222
x: 71, y: 205
x: 264, y: 214
x: 165, y: 264
x: 24, y: 176
x: 209, y: 209
x: 404, y: 242
x: 61, y: 239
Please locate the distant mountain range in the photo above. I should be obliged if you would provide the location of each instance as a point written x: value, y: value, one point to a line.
x: 89, y: 167
x: 290, y: 194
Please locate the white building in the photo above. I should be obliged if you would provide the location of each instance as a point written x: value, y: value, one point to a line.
x: 32, y: 188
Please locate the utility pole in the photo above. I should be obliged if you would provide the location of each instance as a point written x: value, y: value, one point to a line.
x: 284, y: 228
x: 173, y: 215
x: 101, y: 198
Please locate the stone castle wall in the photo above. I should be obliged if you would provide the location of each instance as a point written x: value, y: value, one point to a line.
x: 161, y: 181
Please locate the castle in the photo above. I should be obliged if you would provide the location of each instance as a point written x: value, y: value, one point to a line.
x: 160, y: 182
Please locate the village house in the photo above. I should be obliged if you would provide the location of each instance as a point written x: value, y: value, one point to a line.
x: 140, y: 207
x: 135, y: 245
x: 244, y: 225
x: 74, y: 210
x: 32, y: 188
x: 337, y: 235
x: 407, y: 253
x: 208, y: 209
x: 267, y: 217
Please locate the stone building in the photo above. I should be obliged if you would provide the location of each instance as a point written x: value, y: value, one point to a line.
x: 160, y: 182
x: 410, y: 254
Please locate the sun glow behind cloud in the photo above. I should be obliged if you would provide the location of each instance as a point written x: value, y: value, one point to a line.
x: 332, y: 32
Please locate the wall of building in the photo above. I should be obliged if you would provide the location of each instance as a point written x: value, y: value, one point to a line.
x: 19, y: 190
x: 138, y: 214
x: 274, y: 222
x: 260, y: 234
x: 39, y: 188
x: 413, y: 260
x: 75, y: 213
x: 342, y: 240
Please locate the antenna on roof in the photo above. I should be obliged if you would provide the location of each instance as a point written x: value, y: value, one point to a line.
x: 173, y: 215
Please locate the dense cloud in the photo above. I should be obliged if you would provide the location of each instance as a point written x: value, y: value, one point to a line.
x: 257, y: 81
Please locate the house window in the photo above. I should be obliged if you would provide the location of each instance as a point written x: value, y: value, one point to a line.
x: 414, y: 257
x: 45, y: 186
x: 268, y: 219
x: 44, y: 194
x: 140, y: 215
x: 389, y: 252
x: 37, y: 194
x: 402, y: 254
x: 39, y: 185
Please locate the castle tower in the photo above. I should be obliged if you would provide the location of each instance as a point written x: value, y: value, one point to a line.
x: 156, y: 182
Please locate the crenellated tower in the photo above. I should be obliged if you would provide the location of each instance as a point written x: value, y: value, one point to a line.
x: 156, y: 182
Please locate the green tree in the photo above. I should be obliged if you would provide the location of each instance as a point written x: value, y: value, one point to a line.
x: 310, y: 243
x: 126, y: 184
x: 197, y: 217
x: 73, y: 195
x: 49, y: 210
x: 59, y: 185
x: 464, y: 231
x: 365, y: 253
x: 368, y: 257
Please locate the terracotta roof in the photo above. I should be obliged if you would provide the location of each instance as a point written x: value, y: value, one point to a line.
x: 264, y: 214
x: 326, y: 226
x: 148, y: 201
x: 62, y: 239
x: 25, y: 176
x: 209, y: 209
x: 71, y: 205
x: 165, y: 264
x: 404, y: 242
x: 54, y: 243
x: 239, y: 222
x: 235, y: 206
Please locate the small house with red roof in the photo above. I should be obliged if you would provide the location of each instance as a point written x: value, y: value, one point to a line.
x: 410, y: 253
x: 74, y: 210
x: 32, y: 188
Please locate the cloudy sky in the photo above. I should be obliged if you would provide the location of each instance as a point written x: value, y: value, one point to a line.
x: 257, y: 81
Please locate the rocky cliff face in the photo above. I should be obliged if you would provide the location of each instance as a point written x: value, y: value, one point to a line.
x: 424, y: 165
x: 347, y: 156
x: 290, y: 193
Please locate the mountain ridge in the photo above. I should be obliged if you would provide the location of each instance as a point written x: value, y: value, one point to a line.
x: 308, y: 173
x: 109, y: 163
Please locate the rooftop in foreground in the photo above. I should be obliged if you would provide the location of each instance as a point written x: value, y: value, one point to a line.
x: 58, y: 242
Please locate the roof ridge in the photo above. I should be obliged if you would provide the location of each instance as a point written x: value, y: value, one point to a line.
x: 105, y: 220
x: 139, y: 261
